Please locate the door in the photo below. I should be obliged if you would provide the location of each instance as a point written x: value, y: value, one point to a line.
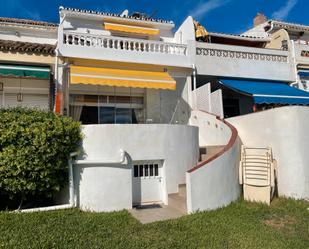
x: 147, y: 182
x: 27, y: 100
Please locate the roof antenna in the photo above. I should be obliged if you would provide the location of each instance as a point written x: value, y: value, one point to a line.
x: 153, y: 14
x: 125, y: 13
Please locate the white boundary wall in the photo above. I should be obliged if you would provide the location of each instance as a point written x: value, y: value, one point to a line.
x: 212, y: 131
x: 109, y: 187
x: 214, y: 184
x: 285, y: 130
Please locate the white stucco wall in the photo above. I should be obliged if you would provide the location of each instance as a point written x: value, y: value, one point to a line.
x: 169, y: 106
x: 285, y: 130
x: 214, y: 184
x: 212, y: 131
x: 240, y: 62
x: 109, y: 187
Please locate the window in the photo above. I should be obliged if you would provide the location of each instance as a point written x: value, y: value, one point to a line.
x: 156, y: 169
x: 105, y: 109
x: 146, y: 170
x: 135, y: 170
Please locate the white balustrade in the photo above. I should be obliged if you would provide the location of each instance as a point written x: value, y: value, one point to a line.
x: 125, y: 44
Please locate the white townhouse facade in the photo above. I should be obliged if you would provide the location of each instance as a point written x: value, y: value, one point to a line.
x: 128, y: 79
x: 152, y: 100
x: 141, y: 61
x: 292, y: 37
x: 27, y: 50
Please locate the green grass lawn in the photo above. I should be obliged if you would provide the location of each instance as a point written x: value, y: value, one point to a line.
x: 241, y: 225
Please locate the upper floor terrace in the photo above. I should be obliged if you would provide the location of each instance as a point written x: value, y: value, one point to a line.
x: 243, y: 62
x: 123, y: 38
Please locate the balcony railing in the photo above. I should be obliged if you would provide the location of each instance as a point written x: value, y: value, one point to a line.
x: 236, y: 54
x: 123, y: 44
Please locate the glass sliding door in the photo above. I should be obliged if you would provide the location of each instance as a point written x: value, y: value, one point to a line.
x: 106, y: 115
x: 105, y: 109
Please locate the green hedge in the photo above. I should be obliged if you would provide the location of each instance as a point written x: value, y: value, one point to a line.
x: 34, y: 150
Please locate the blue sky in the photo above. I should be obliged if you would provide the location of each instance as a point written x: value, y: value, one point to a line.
x: 229, y: 16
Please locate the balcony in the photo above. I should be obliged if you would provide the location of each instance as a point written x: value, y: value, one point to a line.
x: 123, y: 49
x: 243, y: 62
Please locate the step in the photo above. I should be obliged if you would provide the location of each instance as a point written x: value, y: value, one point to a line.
x: 182, y: 190
x: 209, y: 151
x: 177, y: 202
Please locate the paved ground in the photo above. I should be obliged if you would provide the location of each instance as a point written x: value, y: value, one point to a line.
x: 156, y: 212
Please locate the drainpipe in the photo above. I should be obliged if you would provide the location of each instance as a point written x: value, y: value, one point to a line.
x: 294, y: 64
x: 123, y: 156
x: 56, y: 76
x: 72, y: 202
x: 194, y: 87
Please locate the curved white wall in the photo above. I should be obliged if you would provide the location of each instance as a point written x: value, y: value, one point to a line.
x: 212, y: 131
x: 109, y: 187
x: 214, y: 184
x: 284, y: 129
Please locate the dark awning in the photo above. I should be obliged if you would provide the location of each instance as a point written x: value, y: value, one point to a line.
x: 24, y: 71
x: 303, y: 73
x: 269, y: 92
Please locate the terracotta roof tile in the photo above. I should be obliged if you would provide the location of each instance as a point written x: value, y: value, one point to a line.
x: 141, y: 18
x: 28, y: 22
x: 17, y: 46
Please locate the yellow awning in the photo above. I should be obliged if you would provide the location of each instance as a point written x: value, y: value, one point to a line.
x: 121, y: 77
x: 131, y: 29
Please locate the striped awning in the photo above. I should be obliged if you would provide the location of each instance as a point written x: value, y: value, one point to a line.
x: 131, y: 29
x: 24, y: 71
x: 121, y: 77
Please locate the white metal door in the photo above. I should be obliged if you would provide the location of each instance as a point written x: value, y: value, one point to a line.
x: 147, y: 182
x: 28, y: 100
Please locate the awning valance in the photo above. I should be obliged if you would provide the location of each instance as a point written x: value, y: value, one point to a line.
x: 131, y: 29
x: 121, y: 77
x: 24, y: 71
x: 269, y: 92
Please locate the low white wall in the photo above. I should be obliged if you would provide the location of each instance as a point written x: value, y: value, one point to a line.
x: 212, y: 131
x: 285, y: 130
x: 214, y: 184
x: 107, y: 188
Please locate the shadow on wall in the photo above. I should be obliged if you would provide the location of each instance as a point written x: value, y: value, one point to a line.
x: 175, y: 109
x: 96, y: 195
x: 285, y: 130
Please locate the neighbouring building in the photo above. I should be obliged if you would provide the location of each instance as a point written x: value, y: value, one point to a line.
x: 291, y: 37
x: 27, y: 60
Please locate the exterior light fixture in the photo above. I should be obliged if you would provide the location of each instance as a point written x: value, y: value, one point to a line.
x: 19, y: 97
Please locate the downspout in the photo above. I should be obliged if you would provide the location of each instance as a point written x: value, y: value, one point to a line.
x: 72, y: 202
x: 72, y: 199
x: 194, y: 87
x: 56, y: 76
x: 294, y: 64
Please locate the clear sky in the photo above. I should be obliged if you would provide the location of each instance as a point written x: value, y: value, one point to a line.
x: 229, y: 16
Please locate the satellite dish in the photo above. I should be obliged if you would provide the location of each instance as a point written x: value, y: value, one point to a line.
x: 125, y: 13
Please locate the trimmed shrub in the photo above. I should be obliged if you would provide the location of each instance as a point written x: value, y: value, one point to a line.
x: 34, y: 151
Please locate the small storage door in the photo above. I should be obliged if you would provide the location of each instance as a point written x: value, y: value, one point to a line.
x: 35, y: 101
x: 10, y: 100
x: 147, y: 182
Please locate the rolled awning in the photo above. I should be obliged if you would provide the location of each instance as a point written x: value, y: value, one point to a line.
x: 8, y: 70
x: 303, y: 73
x: 131, y: 29
x: 266, y: 92
x: 121, y: 77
